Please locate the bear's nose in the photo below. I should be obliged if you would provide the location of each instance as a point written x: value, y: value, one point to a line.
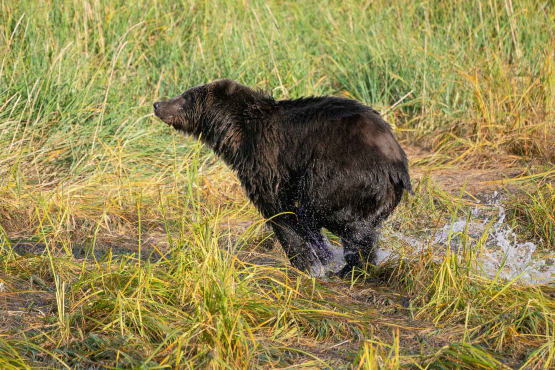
x: 156, y: 105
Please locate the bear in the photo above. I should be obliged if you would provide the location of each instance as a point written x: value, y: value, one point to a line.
x: 306, y: 164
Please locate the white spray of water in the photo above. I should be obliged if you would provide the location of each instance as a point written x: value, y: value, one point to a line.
x: 501, y: 255
x: 337, y: 262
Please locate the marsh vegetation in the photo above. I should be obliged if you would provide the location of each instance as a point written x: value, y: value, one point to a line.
x: 126, y: 245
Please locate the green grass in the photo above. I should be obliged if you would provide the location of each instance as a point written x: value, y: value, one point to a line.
x: 148, y: 255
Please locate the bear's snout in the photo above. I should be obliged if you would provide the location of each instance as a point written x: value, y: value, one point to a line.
x: 170, y: 111
x: 160, y: 110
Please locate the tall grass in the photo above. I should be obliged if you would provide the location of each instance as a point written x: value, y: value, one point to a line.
x: 481, y: 71
x: 145, y: 252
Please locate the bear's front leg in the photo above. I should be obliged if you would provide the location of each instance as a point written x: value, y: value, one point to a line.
x: 320, y: 244
x: 298, y: 250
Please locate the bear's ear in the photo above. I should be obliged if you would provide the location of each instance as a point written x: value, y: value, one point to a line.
x: 225, y: 86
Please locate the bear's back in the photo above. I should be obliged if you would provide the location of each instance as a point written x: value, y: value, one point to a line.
x: 328, y: 137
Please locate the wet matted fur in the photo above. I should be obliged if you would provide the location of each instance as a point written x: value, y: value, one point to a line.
x: 308, y: 164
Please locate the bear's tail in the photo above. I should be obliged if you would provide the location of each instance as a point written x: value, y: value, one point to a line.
x: 401, y: 180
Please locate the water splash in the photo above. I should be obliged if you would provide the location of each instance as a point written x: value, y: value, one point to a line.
x: 501, y: 255
x: 336, y: 263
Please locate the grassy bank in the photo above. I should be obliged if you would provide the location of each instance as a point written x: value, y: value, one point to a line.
x: 123, y: 244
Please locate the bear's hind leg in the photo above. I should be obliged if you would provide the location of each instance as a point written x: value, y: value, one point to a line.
x: 359, y: 243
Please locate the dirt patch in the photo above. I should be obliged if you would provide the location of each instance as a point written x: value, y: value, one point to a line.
x: 22, y: 307
x: 495, y: 174
x: 102, y: 250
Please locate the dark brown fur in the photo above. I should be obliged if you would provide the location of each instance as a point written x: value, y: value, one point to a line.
x: 309, y: 163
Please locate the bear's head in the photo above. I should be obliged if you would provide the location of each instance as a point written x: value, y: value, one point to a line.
x: 188, y: 111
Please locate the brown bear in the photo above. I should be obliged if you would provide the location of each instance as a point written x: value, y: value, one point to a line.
x: 306, y: 164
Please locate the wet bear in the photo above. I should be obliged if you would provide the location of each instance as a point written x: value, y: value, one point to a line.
x: 306, y: 164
